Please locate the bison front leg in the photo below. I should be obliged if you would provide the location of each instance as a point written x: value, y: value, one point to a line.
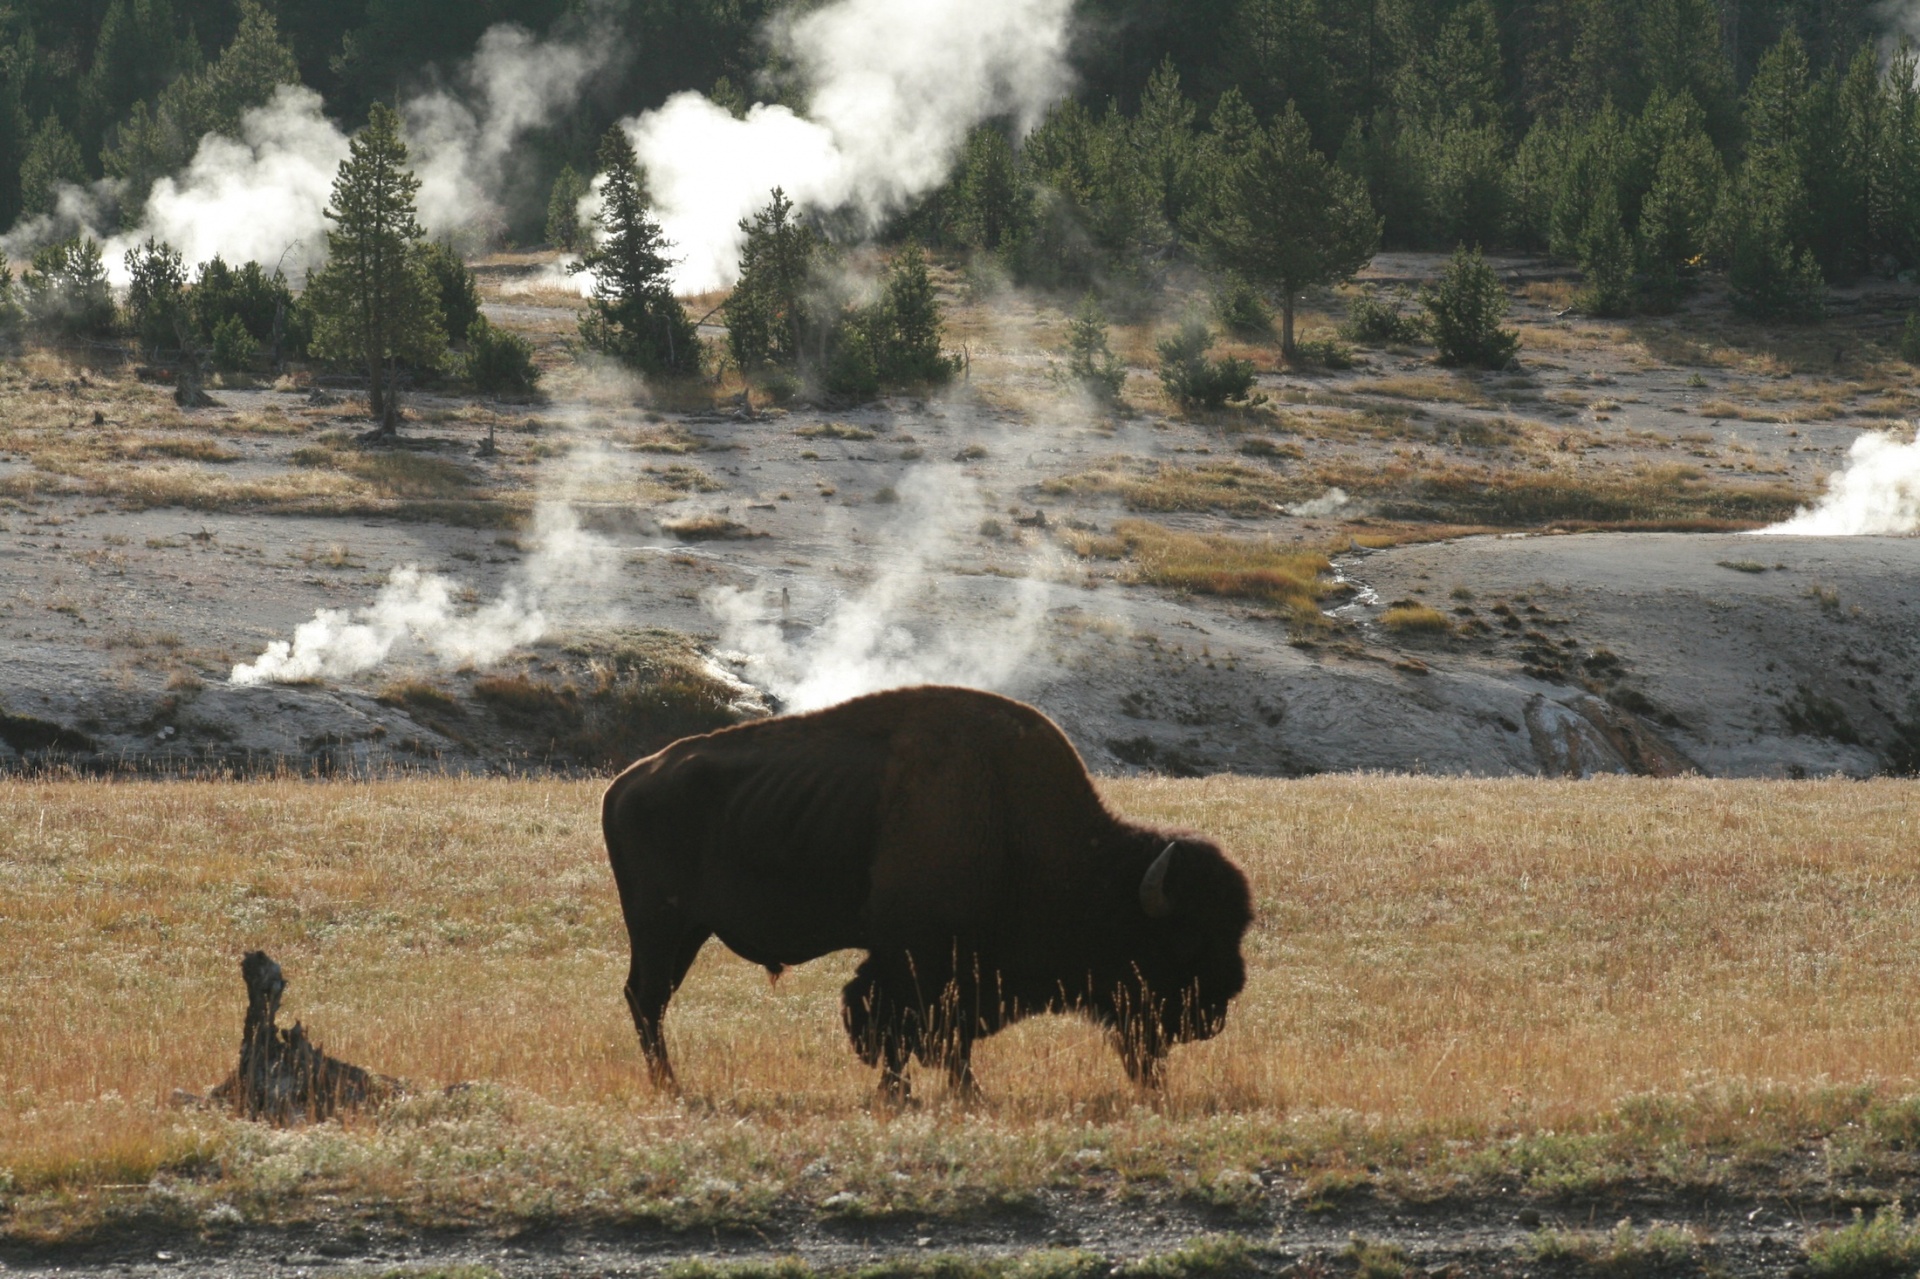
x: 664, y: 948
x: 882, y: 1028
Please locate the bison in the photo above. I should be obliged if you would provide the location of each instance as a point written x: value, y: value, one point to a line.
x: 953, y: 835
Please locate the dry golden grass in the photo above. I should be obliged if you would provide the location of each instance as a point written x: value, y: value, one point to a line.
x: 1235, y: 567
x: 1451, y: 983
x: 1441, y: 387
x: 1641, y: 495
x: 1414, y: 619
x: 1154, y: 486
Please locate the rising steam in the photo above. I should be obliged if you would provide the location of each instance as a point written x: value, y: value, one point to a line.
x: 1878, y: 493
x: 261, y: 196
x: 894, y: 87
x: 893, y: 632
x: 417, y: 615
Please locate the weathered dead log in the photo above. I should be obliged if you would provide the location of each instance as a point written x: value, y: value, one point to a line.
x: 284, y: 1077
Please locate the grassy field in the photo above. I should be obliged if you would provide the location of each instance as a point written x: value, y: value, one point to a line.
x: 1560, y: 986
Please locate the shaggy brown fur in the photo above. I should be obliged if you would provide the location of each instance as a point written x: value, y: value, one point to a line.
x: 953, y: 835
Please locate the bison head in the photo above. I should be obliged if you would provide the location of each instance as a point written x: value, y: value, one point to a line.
x: 1194, y: 907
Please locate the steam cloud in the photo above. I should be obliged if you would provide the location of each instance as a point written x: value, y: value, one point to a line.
x: 1878, y: 493
x: 867, y: 641
x: 417, y: 613
x: 262, y: 196
x: 895, y: 87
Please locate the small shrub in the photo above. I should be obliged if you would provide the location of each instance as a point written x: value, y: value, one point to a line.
x: 1191, y: 378
x: 264, y: 304
x: 1376, y: 1260
x: 1464, y: 309
x: 67, y: 291
x: 1242, y: 311
x: 1884, y: 1245
x: 1910, y: 339
x: 499, y: 362
x: 234, y: 348
x: 1372, y: 321
x: 1090, y: 362
x: 1328, y: 352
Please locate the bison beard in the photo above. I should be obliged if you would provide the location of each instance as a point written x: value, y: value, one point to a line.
x: 956, y: 838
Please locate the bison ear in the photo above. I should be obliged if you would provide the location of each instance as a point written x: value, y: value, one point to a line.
x: 1153, y: 886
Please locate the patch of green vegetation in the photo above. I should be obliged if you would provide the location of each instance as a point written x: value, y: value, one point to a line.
x: 1879, y: 1247
x: 1202, y: 1258
x: 1622, y: 1250
x: 1375, y: 1260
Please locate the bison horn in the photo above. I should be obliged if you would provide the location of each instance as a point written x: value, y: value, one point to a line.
x: 1153, y: 886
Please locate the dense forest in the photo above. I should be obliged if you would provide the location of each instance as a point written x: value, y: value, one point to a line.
x: 1780, y: 138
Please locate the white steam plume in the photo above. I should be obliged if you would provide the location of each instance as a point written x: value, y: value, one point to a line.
x: 258, y: 197
x: 262, y: 196
x: 1878, y: 493
x: 868, y: 640
x: 515, y: 83
x: 417, y: 614
x: 895, y: 87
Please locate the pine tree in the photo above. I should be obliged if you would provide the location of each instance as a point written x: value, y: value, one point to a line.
x: 1164, y: 144
x: 1676, y: 218
x: 1895, y: 208
x: 1091, y: 364
x: 157, y: 295
x: 53, y: 161
x: 633, y: 314
x: 987, y: 191
x: 1278, y: 55
x: 563, y: 210
x: 768, y: 316
x: 67, y: 291
x: 1464, y: 309
x: 1606, y: 258
x: 155, y: 141
x: 1284, y: 218
x: 905, y: 327
x: 373, y: 302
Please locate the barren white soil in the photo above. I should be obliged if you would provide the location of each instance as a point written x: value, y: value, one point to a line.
x: 910, y: 539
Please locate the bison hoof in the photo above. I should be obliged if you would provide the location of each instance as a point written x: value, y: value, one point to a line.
x: 895, y: 1093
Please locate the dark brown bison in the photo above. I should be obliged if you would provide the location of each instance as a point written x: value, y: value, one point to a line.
x: 955, y: 837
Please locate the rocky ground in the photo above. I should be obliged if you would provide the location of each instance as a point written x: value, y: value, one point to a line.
x: 813, y: 552
x: 1630, y: 1233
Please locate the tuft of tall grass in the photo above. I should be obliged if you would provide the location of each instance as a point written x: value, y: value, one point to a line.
x: 1409, y: 618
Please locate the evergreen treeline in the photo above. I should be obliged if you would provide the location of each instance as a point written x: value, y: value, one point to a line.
x: 1775, y: 138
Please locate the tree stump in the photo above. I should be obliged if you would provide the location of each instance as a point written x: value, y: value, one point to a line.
x: 283, y: 1077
